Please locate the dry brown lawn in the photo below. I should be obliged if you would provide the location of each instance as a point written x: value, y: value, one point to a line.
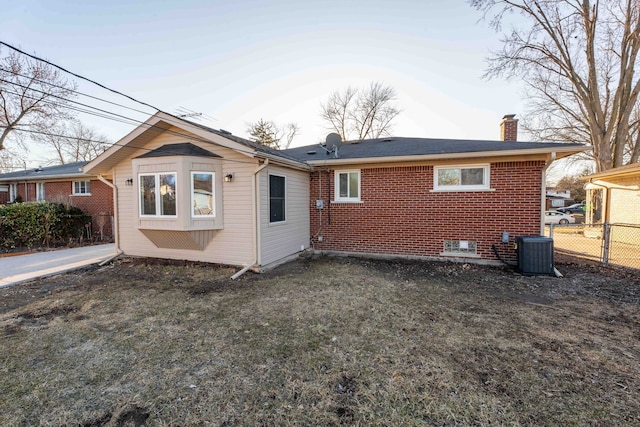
x: 321, y: 342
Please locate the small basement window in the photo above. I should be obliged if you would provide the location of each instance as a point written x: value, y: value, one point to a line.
x: 460, y: 247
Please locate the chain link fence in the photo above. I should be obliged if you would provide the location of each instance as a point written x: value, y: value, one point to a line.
x: 609, y: 244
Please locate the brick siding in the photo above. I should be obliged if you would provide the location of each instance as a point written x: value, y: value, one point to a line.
x: 400, y: 215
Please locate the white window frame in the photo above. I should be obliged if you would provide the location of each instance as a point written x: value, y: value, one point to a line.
x: 284, y: 209
x: 336, y: 186
x: 83, y: 188
x: 484, y: 187
x: 40, y: 194
x: 213, y: 195
x: 158, y: 199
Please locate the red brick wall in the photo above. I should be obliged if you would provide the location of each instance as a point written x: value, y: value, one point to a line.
x: 399, y: 215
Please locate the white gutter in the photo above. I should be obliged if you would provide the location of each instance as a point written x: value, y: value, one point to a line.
x: 115, y: 210
x: 256, y: 221
x: 543, y: 191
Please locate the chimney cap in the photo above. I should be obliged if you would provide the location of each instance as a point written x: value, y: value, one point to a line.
x: 508, y: 117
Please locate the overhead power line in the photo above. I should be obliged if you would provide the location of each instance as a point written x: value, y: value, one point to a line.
x: 110, y: 115
x: 79, y: 76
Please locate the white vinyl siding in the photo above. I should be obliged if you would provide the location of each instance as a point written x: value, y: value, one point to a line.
x: 278, y: 241
x: 232, y: 245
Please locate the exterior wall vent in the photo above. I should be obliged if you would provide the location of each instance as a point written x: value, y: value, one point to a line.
x: 535, y: 255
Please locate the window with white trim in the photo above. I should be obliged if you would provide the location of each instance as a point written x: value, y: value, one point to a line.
x: 347, y: 186
x: 157, y: 194
x: 81, y: 188
x: 277, y: 198
x: 202, y: 194
x: 460, y: 247
x: 39, y: 191
x: 461, y: 178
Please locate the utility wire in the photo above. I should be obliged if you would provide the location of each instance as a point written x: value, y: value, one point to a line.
x: 116, y: 144
x: 79, y: 76
x: 173, y: 119
x: 119, y: 117
x: 72, y: 91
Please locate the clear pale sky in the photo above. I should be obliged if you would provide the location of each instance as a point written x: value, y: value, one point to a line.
x: 239, y: 61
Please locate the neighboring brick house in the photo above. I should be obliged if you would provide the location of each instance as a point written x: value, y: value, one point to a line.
x: 428, y: 198
x: 64, y: 184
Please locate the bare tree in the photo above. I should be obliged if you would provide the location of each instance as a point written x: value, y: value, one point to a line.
x: 270, y: 134
x: 33, y: 95
x: 577, y: 59
x: 10, y: 161
x: 74, y: 143
x: 361, y: 114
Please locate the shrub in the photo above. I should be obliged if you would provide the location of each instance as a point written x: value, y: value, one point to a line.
x: 40, y: 223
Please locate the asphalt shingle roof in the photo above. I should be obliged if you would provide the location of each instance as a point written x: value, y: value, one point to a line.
x: 180, y: 149
x: 46, y: 172
x: 397, y: 147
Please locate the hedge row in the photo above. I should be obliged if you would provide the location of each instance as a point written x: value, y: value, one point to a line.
x: 40, y: 223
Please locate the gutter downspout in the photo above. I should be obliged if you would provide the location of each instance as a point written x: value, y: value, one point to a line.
x: 256, y: 221
x: 115, y: 213
x: 543, y: 190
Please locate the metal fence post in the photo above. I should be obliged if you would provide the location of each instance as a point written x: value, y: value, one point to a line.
x: 551, y: 227
x: 606, y: 237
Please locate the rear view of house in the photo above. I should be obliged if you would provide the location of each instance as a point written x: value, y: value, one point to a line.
x: 185, y: 191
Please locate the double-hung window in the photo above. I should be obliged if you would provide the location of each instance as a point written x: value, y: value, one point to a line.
x: 277, y: 200
x: 347, y: 186
x: 81, y: 188
x: 461, y: 178
x: 158, y: 194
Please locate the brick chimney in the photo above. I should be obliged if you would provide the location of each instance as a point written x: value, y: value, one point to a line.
x: 509, y: 128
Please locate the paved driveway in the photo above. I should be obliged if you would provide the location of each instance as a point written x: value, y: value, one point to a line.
x: 22, y: 268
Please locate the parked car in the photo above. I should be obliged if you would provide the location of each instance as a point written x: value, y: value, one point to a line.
x: 556, y: 217
x: 577, y: 208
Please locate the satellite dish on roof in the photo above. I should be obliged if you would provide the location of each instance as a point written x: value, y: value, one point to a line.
x: 333, y: 141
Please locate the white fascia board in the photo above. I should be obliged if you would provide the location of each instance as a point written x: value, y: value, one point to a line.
x: 446, y: 156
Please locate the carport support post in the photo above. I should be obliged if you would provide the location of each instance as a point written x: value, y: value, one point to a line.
x: 606, y: 234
